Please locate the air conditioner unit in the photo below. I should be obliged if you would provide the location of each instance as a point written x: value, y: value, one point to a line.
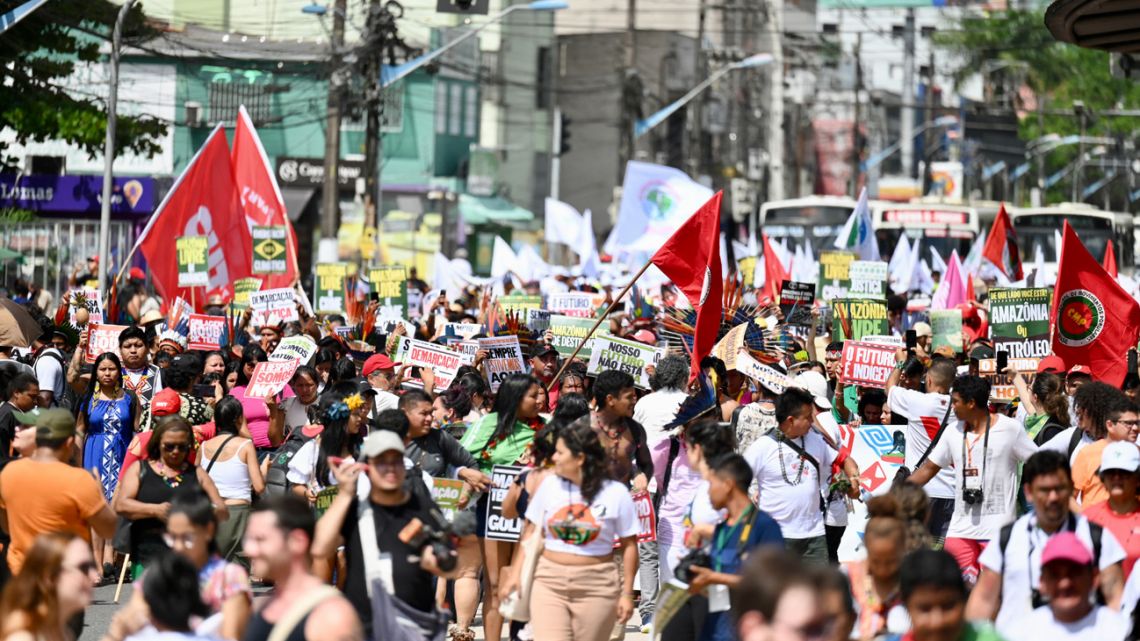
x: 194, y: 115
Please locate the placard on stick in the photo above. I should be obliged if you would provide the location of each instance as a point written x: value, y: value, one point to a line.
x: 269, y: 249
x: 796, y: 300
x: 1019, y: 321
x: 627, y: 356
x: 567, y: 332
x: 193, y: 267
x: 206, y: 332
x: 390, y: 284
x: 330, y: 287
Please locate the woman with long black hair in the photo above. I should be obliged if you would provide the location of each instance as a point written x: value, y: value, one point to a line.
x: 340, y: 437
x: 231, y: 463
x: 501, y: 438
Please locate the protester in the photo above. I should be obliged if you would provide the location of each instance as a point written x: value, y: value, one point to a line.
x: 1045, y: 403
x: 778, y: 597
x: 1090, y: 403
x: 1122, y: 425
x: 655, y: 410
x: 54, y: 586
x: 1120, y: 514
x: 623, y: 438
x: 435, y: 452
x: 231, y: 463
x: 166, y: 606
x: 49, y: 367
x: 381, y: 374
x: 874, y: 582
x: 22, y: 393
x: 300, y: 410
x: 934, y: 592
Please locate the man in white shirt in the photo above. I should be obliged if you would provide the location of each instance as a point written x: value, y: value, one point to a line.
x: 655, y: 410
x: 984, y: 450
x: 1089, y: 402
x: 49, y: 368
x: 926, y: 414
x: 1068, y: 575
x: 381, y: 374
x: 1010, y: 584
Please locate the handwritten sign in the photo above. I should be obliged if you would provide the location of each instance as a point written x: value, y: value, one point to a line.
x: 102, y: 338
x: 206, y: 332
x: 270, y: 377
x: 504, y: 357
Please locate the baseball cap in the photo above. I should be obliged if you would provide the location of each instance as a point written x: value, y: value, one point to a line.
x: 363, y: 386
x: 137, y: 274
x: 377, y: 362
x: 541, y: 349
x: 1065, y: 546
x: 1120, y: 455
x: 982, y: 351
x: 1051, y: 364
x: 644, y: 336
x: 922, y: 329
x: 165, y: 403
x: 1080, y: 370
x: 816, y: 384
x: 52, y: 424
x: 379, y: 442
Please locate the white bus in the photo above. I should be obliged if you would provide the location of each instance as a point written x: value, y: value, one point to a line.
x: 941, y: 226
x: 818, y: 218
x: 1041, y: 226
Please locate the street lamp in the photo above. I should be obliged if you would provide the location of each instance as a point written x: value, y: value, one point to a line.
x: 641, y: 127
x: 314, y: 9
x: 389, y: 74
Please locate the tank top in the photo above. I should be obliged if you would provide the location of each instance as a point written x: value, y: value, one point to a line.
x: 231, y: 476
x: 146, y: 534
x: 259, y: 629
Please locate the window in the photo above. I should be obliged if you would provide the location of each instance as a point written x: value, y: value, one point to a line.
x: 471, y: 113
x: 227, y: 97
x: 543, y: 71
x: 440, y: 107
x: 455, y: 110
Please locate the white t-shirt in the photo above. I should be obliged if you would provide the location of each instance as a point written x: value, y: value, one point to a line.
x: 924, y: 414
x: 1060, y: 442
x: 655, y: 410
x: 1022, y: 564
x: 790, y: 493
x: 1008, y: 446
x: 303, y: 466
x: 49, y: 372
x: 572, y: 527
x: 384, y: 401
x: 1101, y: 624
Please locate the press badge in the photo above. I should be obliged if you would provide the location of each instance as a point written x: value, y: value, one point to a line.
x: 718, y: 598
x: 971, y: 479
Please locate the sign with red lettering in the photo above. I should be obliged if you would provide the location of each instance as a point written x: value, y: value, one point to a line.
x: 645, y: 517
x: 270, y: 377
x: 866, y: 364
x: 443, y: 362
x: 102, y: 338
x: 206, y: 331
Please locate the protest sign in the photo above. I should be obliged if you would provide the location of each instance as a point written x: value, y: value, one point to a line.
x: 519, y: 303
x: 193, y: 268
x: 866, y: 364
x: 670, y: 599
x: 852, y: 319
x: 576, y: 304
x: 269, y: 249
x: 834, y: 274
x: 568, y: 332
x: 415, y: 301
x: 504, y: 357
x: 445, y: 493
x: 206, y: 332
x: 1001, y: 387
x: 463, y: 330
x: 946, y: 325
x: 442, y: 361
x: 330, y: 291
x: 728, y: 347
x: 895, y: 341
x: 390, y: 285
x: 92, y: 302
x: 868, y: 279
x: 1019, y: 321
x: 467, y: 348
x: 623, y: 355
x: 747, y: 268
x: 538, y: 320
x: 273, y: 306
x: 767, y: 377
x: 102, y: 338
x: 500, y: 528
x: 298, y: 348
x: 646, y: 518
x: 876, y: 450
x: 270, y: 377
x: 796, y: 300
x: 324, y: 500
x: 243, y: 287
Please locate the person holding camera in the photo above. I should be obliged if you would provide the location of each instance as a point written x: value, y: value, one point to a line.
x: 1008, y: 588
x: 984, y: 450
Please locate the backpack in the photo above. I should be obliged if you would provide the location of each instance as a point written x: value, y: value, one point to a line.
x: 276, y: 483
x: 67, y: 400
x: 1096, y: 533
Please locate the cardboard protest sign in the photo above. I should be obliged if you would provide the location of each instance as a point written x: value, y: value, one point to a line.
x: 894, y: 341
x: 1019, y: 321
x: 92, y: 302
x: 102, y: 338
x: 866, y: 364
x: 946, y: 325
x: 834, y: 274
x: 796, y: 300
x: 298, y: 348
x: 498, y: 527
x: 443, y: 362
x: 273, y: 306
x: 538, y: 320
x: 270, y: 377
x: 330, y: 290
x: 504, y: 357
x: 445, y: 493
x: 627, y: 356
x: 206, y: 332
x: 868, y: 279
x: 390, y: 284
x: 568, y: 332
x: 243, y: 287
x: 519, y: 303
x: 576, y: 304
x: 729, y: 346
x: 193, y: 267
x: 768, y: 377
x: 670, y: 599
x: 1001, y: 387
x: 467, y: 348
x: 852, y: 319
x: 269, y: 249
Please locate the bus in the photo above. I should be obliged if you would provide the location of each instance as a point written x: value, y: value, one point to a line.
x: 1042, y: 226
x: 816, y: 218
x: 941, y: 226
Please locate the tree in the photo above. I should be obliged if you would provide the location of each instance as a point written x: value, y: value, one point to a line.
x: 47, y: 47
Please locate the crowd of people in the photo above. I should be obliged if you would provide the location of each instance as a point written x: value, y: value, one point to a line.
x: 712, y: 505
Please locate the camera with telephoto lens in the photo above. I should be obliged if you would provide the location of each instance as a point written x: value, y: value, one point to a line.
x: 442, y: 540
x: 695, y: 558
x: 972, y: 496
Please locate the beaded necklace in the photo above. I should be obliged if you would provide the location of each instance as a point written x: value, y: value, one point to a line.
x: 783, y: 469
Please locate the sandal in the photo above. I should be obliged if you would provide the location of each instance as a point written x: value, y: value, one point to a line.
x: 466, y: 634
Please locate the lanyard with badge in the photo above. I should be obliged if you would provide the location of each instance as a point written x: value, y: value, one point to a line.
x: 718, y: 594
x: 972, y: 481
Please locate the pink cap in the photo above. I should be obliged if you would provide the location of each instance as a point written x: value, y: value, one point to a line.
x: 1065, y: 546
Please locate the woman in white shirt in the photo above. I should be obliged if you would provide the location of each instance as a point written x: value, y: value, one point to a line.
x: 581, y: 514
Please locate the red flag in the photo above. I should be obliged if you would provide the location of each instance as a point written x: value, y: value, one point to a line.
x: 1110, y: 259
x: 202, y: 202
x: 1001, y: 247
x: 774, y: 272
x: 691, y: 259
x: 260, y: 197
x: 1095, y: 321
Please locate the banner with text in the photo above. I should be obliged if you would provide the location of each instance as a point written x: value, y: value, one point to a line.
x: 852, y: 319
x: 206, y: 332
x: 390, y: 284
x: 272, y: 307
x: 834, y: 274
x: 500, y: 528
x: 623, y: 355
x: 866, y: 364
x: 568, y: 332
x: 796, y: 300
x: 269, y: 243
x: 442, y: 361
x: 1019, y: 321
x: 504, y: 357
x: 868, y: 279
x: 330, y: 288
x: 102, y: 338
x: 270, y: 377
x: 193, y: 266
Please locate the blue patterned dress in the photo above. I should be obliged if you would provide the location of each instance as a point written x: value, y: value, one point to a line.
x: 110, y: 427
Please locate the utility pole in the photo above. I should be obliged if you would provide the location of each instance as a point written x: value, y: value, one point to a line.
x: 928, y: 135
x: 700, y: 70
x: 906, y: 120
x: 330, y: 196
x: 855, y: 121
x: 556, y: 154
x: 775, y: 30
x: 109, y: 153
x: 372, y: 134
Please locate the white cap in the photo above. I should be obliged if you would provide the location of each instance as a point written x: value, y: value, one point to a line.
x: 1120, y: 455
x: 816, y: 384
x: 922, y: 329
x: 379, y: 442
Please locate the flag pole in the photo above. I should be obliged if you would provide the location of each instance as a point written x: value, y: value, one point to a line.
x: 598, y: 322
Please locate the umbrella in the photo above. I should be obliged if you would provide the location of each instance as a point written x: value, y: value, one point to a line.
x: 10, y: 254
x: 17, y: 327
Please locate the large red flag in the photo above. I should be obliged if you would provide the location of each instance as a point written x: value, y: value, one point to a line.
x: 1110, y: 259
x: 260, y: 196
x: 1095, y: 321
x: 1001, y: 247
x: 691, y: 259
x: 202, y: 202
x: 774, y: 272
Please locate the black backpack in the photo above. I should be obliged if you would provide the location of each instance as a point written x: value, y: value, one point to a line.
x: 276, y: 483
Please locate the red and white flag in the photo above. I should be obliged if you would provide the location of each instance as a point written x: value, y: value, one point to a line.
x: 260, y: 196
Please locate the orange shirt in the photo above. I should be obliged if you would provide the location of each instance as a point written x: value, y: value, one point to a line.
x: 1086, y: 483
x: 46, y: 496
x: 1125, y: 527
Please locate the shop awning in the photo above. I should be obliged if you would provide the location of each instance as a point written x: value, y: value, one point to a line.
x: 478, y: 210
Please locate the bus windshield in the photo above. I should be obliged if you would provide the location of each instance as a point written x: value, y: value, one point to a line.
x: 1042, y: 230
x: 942, y: 242
x: 820, y: 223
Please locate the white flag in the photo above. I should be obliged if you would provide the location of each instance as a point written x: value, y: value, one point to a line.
x: 655, y: 200
x: 858, y: 233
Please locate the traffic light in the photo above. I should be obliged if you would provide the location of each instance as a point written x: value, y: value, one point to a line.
x: 564, y: 135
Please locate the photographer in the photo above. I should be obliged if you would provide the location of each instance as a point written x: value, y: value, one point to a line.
x: 386, y: 550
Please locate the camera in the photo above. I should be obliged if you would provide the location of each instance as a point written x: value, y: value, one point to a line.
x: 695, y: 558
x: 442, y: 541
x: 972, y: 496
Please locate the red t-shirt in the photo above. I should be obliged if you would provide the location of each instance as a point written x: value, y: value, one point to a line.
x: 1125, y: 527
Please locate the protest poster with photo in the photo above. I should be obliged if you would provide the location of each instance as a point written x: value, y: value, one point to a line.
x: 834, y: 274
x: 273, y: 306
x: 270, y: 377
x: 269, y: 255
x: 866, y: 364
x: 538, y: 320
x: 442, y: 361
x: 631, y: 357
x: 504, y: 357
x: 1001, y: 386
x: 796, y: 300
x: 946, y: 325
x: 519, y: 303
x: 330, y: 287
x: 852, y: 319
x: 576, y: 304
x: 390, y: 285
x: 568, y: 332
x: 92, y: 302
x: 193, y: 267
x: 445, y: 493
x: 868, y: 279
x: 243, y: 287
x: 206, y: 332
x: 500, y: 528
x: 102, y: 338
x: 1019, y: 321
x: 299, y: 348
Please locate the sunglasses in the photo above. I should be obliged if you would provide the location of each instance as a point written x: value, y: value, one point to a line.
x: 175, y: 447
x: 87, y: 567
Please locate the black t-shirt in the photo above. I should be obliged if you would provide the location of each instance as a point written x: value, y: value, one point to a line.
x: 8, y: 425
x: 414, y: 586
